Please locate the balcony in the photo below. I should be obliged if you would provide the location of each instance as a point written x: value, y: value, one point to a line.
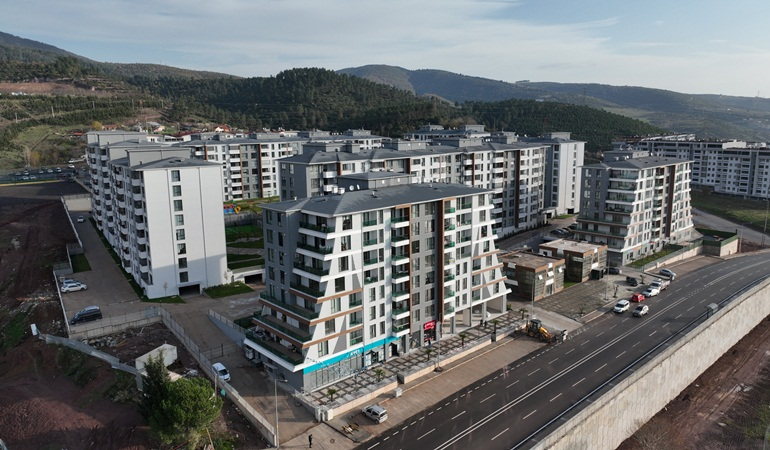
x: 449, y: 294
x: 370, y: 261
x: 400, y: 330
x: 398, y: 241
x: 329, y: 174
x: 303, y: 312
x: 281, y: 351
x: 449, y: 210
x: 307, y: 290
x: 370, y: 242
x: 448, y: 309
x: 273, y: 324
x: 319, y: 228
x: 315, y: 271
x: 448, y: 278
x: 400, y: 259
x: 399, y: 222
x: 400, y: 309
x: 399, y: 277
x: 315, y: 249
x: 476, y: 298
x: 370, y: 280
x: 466, y: 205
x: 370, y: 223
x: 449, y: 244
x: 400, y: 296
x: 357, y: 302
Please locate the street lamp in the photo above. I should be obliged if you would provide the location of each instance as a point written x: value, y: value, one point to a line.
x: 275, y: 395
x: 764, y: 230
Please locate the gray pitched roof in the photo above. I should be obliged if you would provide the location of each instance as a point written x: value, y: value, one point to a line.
x: 646, y: 162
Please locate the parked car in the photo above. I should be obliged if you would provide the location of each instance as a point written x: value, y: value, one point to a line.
x: 651, y: 292
x: 81, y: 219
x: 68, y: 281
x: 614, y: 271
x: 73, y: 287
x: 87, y: 314
x: 71, y: 166
x: 668, y: 273
x: 632, y: 281
x: 641, y: 310
x: 221, y: 371
x: 622, y: 306
x: 637, y: 297
x: 573, y: 226
x: 376, y: 412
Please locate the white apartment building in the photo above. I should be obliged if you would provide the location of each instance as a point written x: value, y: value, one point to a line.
x: 161, y: 212
x: 514, y: 171
x: 564, y: 160
x: 370, y: 274
x: 635, y: 206
x: 729, y: 167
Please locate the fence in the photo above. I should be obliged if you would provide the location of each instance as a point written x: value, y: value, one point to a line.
x: 256, y: 419
x: 114, y: 324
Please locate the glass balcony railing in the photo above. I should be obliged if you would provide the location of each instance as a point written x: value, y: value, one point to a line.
x: 399, y: 328
x: 308, y: 290
x: 294, y: 358
x: 320, y: 250
x: 399, y: 219
x: 271, y: 322
x: 313, y: 270
x: 314, y: 227
x: 370, y: 223
x: 304, y: 312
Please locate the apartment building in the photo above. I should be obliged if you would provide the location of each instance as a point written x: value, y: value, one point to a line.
x: 533, y: 276
x: 514, y: 171
x: 728, y: 166
x: 563, y: 163
x: 428, y: 133
x: 635, y: 206
x: 372, y: 273
x: 161, y: 212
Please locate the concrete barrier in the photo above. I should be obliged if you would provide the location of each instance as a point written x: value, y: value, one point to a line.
x: 609, y: 420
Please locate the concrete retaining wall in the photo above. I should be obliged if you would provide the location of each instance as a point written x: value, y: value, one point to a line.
x: 607, y: 422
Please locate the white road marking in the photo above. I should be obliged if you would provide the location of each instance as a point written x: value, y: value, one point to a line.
x: 375, y: 445
x: 624, y: 352
x: 512, y: 384
x: 600, y: 368
x: 533, y: 372
x: 691, y: 307
x: 453, y: 418
x: 581, y: 380
x: 429, y: 432
x: 499, y: 434
x: 600, y: 334
x: 570, y: 351
x: 487, y: 398
x: 553, y: 361
x: 556, y: 397
x: 636, y: 344
x: 653, y: 332
x: 677, y: 316
x: 585, y: 342
x: 533, y: 412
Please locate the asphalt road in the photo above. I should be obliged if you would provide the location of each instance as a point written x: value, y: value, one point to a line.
x: 513, y: 408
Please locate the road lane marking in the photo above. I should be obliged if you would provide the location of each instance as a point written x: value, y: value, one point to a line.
x: 585, y: 342
x: 499, y: 434
x: 600, y: 368
x: 581, y: 380
x: 677, y: 316
x: 538, y: 369
x: 375, y: 445
x: 397, y: 432
x: 624, y: 352
x: 429, y: 432
x: 624, y: 319
x: 553, y: 361
x: 487, y: 398
x: 453, y: 418
x: 653, y: 332
x: 512, y: 384
x: 570, y: 351
x: 613, y: 327
x: 533, y: 412
x: 413, y: 423
x: 430, y: 413
x: 439, y: 408
x: 556, y: 397
x: 636, y: 344
x: 690, y: 308
x: 600, y: 334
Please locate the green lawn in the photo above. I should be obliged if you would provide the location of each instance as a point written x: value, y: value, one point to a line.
x: 80, y: 263
x: 224, y: 290
x: 249, y: 244
x: 737, y: 209
x: 249, y: 263
x: 232, y: 257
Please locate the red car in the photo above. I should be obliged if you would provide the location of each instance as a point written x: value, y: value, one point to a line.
x: 637, y: 297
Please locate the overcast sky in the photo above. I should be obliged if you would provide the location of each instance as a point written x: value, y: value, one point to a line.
x: 692, y: 46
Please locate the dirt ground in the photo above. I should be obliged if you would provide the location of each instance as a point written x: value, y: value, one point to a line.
x: 726, y: 408
x: 48, y: 401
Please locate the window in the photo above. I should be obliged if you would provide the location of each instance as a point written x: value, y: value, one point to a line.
x: 176, y: 191
x: 175, y: 175
x: 269, y: 236
x: 382, y: 328
x: 382, y: 310
x: 339, y: 284
x: 178, y: 220
x: 180, y: 234
x: 336, y: 305
x: 416, y: 315
x: 323, y: 348
x: 182, y: 263
x: 329, y: 326
x: 181, y: 249
x: 372, y: 330
x: 372, y: 313
x: 177, y: 205
x: 344, y: 264
x: 183, y: 277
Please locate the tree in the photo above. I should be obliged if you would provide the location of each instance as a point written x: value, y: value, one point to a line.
x: 463, y: 336
x: 379, y: 373
x: 330, y: 392
x: 178, y: 411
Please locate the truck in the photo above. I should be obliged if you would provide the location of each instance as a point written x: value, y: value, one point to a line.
x: 660, y: 284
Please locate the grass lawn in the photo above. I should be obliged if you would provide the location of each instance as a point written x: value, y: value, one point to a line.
x: 737, y: 209
x: 249, y: 263
x: 232, y: 257
x: 639, y: 263
x: 250, y: 244
x: 80, y: 263
x: 225, y: 290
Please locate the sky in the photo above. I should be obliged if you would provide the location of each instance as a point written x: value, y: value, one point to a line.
x: 689, y: 46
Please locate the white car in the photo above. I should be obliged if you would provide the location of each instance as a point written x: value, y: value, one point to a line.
x: 666, y: 272
x: 73, y: 287
x: 651, y: 292
x: 376, y: 412
x: 641, y: 310
x: 622, y: 306
x: 221, y: 371
x: 81, y: 219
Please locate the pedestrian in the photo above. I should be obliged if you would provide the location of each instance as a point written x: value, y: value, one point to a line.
x: 310, y: 440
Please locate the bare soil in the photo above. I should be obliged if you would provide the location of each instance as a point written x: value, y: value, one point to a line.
x: 726, y: 408
x: 47, y: 400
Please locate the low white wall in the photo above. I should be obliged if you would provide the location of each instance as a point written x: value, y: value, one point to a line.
x: 608, y: 421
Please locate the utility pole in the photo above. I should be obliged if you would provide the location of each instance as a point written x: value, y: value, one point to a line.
x: 764, y: 230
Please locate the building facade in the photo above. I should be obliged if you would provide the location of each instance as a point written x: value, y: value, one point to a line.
x: 635, y: 206
x: 563, y: 163
x: 355, y: 278
x: 161, y: 212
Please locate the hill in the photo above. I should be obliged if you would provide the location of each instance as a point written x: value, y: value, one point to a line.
x: 713, y: 116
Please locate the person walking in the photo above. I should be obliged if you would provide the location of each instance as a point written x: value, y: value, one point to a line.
x: 310, y: 440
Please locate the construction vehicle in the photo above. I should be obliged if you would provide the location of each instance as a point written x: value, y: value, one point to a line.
x: 535, y: 328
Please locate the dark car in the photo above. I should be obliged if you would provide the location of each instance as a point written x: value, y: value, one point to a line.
x: 632, y: 281
x: 614, y: 271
